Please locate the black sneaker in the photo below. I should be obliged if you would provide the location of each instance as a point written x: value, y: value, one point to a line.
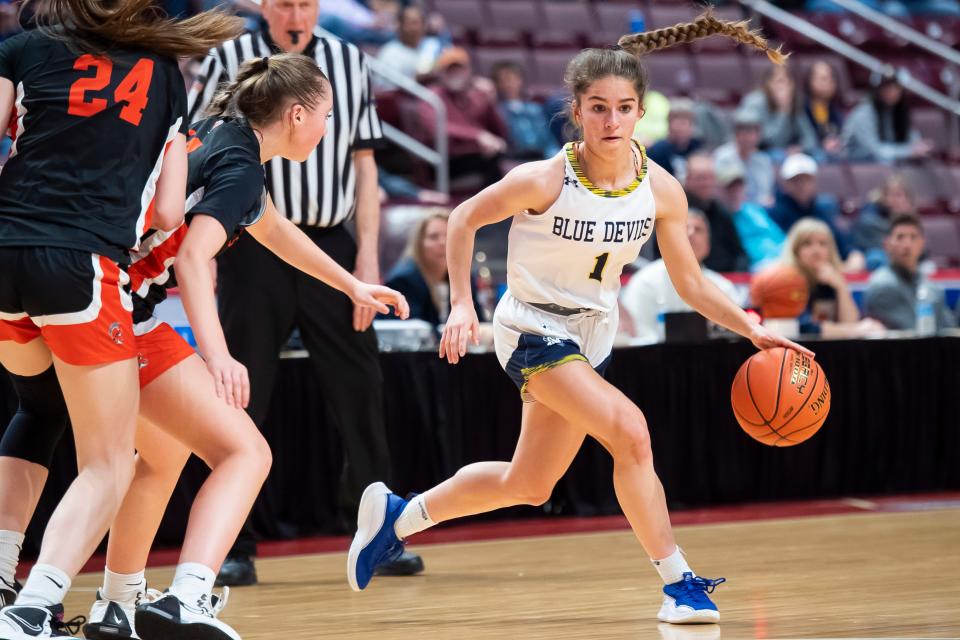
x: 237, y: 571
x: 170, y: 617
x: 27, y: 621
x: 408, y: 564
x: 8, y: 592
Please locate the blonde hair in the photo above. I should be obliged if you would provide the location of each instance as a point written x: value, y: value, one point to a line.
x: 624, y: 60
x: 799, y: 233
x: 415, y: 244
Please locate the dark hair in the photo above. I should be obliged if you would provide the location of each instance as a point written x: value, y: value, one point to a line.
x: 623, y: 61
x: 905, y: 219
x: 900, y: 113
x: 94, y: 26
x: 767, y: 76
x: 808, y: 78
x: 264, y: 87
x: 506, y: 65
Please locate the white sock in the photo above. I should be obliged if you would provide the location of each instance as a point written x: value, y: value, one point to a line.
x: 192, y: 580
x: 11, y: 542
x: 413, y: 519
x: 672, y: 568
x: 47, y: 586
x: 122, y: 587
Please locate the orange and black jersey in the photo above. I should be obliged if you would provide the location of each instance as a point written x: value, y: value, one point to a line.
x: 225, y: 181
x: 89, y: 135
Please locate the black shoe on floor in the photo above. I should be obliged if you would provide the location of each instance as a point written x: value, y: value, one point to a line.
x: 237, y: 571
x: 408, y: 564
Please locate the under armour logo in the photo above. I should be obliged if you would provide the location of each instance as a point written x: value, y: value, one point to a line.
x: 552, y: 342
x: 567, y: 180
x: 141, y: 361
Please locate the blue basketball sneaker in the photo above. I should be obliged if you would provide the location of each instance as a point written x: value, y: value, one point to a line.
x: 375, y: 541
x: 686, y: 601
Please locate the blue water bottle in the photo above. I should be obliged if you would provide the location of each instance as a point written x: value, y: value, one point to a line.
x: 637, y: 22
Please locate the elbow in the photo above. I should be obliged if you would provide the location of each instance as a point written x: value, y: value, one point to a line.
x: 167, y: 218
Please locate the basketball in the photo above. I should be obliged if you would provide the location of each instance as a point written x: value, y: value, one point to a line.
x: 780, y: 397
x: 780, y: 292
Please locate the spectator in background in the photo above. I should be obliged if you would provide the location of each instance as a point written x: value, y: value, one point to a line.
x: 798, y: 198
x: 726, y: 253
x: 421, y: 276
x: 822, y: 109
x: 879, y: 129
x: 529, y: 137
x: 895, y: 289
x: 873, y: 224
x: 831, y: 311
x: 412, y: 52
x: 744, y: 149
x: 477, y: 134
x: 777, y: 106
x: 650, y: 291
x: 372, y: 22
x: 653, y: 125
x: 761, y: 237
x: 671, y: 152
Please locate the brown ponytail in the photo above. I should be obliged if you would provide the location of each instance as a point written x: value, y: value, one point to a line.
x: 640, y: 44
x: 94, y: 26
x: 264, y: 87
x: 625, y: 60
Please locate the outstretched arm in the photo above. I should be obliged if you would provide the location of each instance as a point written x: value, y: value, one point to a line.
x: 291, y: 245
x: 530, y: 187
x: 685, y: 272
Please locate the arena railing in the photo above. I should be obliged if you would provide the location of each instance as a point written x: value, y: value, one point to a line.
x: 873, y: 64
x: 437, y: 156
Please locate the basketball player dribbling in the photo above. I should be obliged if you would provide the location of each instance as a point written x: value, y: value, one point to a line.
x: 585, y: 214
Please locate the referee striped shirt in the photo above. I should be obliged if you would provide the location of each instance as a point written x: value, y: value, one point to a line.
x: 320, y: 192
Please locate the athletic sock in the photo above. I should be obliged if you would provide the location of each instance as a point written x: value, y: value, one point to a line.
x: 193, y: 581
x: 122, y: 587
x: 672, y: 568
x: 47, y: 586
x: 413, y: 519
x: 11, y: 542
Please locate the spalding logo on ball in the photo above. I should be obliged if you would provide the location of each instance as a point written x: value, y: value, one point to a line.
x: 780, y: 397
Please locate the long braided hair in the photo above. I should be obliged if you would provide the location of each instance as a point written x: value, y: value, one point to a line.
x: 624, y: 60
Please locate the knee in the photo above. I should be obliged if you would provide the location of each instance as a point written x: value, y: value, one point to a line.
x: 630, y: 438
x: 261, y: 457
x: 528, y: 489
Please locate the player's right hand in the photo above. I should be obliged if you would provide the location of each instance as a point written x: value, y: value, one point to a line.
x: 462, y: 326
x: 231, y: 380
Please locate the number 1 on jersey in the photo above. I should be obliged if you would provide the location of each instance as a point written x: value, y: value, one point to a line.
x: 599, y: 267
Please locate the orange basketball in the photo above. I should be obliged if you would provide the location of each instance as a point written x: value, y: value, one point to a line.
x: 779, y: 292
x: 780, y: 397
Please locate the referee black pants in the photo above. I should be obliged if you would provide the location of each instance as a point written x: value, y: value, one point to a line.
x: 261, y: 300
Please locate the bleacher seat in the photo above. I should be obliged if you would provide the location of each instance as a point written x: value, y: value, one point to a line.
x: 867, y: 177
x: 670, y: 73
x: 521, y: 15
x: 932, y: 125
x: 549, y: 66
x: 464, y: 17
x: 835, y: 179
x: 485, y: 57
x: 613, y: 21
x: 924, y: 181
x: 943, y: 239
x: 572, y: 16
x: 722, y: 77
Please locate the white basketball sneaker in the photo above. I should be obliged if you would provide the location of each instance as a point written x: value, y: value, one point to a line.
x: 113, y: 619
x: 170, y: 617
x: 25, y: 622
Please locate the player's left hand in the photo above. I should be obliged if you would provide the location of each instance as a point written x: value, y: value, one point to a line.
x: 366, y: 271
x: 763, y: 338
x: 378, y: 299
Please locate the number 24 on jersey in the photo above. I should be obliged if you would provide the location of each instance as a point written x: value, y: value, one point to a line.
x: 132, y: 90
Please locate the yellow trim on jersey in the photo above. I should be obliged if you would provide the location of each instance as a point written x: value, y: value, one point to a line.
x: 607, y: 193
x: 546, y: 366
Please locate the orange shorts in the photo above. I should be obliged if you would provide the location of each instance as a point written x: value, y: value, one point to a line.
x: 160, y: 349
x: 74, y: 300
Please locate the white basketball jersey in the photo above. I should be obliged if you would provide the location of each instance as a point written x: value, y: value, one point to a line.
x: 572, y: 254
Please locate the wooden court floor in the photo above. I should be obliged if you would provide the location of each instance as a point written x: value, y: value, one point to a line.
x: 893, y: 575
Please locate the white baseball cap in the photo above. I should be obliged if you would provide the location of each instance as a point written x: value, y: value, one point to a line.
x: 798, y: 164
